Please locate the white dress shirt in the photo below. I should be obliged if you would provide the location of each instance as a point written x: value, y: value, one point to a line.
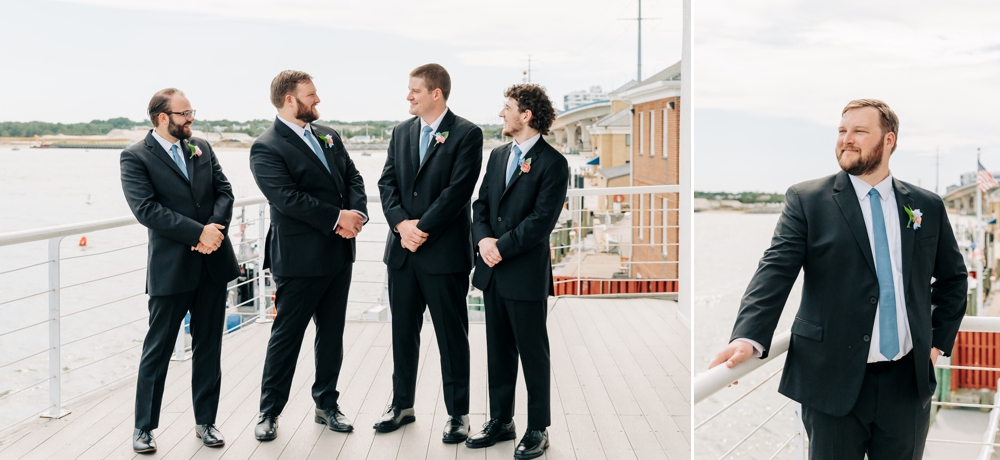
x: 890, y: 212
x: 301, y: 132
x: 525, y: 147
x: 166, y: 147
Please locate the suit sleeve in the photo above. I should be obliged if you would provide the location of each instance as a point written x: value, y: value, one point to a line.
x: 141, y: 198
x: 388, y: 187
x: 765, y: 297
x: 950, y: 287
x: 222, y: 211
x: 274, y: 180
x: 455, y: 197
x: 537, y: 227
x: 481, y: 227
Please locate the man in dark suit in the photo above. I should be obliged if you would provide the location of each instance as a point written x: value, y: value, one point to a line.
x: 175, y: 187
x: 519, y: 203
x: 877, y: 253
x: 318, y: 206
x: 426, y: 186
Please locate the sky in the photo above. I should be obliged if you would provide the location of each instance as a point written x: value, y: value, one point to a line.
x: 770, y: 84
x: 79, y: 60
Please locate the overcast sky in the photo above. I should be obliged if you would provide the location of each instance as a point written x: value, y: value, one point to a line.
x: 78, y: 60
x: 770, y: 83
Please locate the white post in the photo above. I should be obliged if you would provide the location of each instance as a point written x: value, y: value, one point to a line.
x: 685, y: 275
x: 261, y: 234
x: 799, y: 445
x: 979, y: 243
x: 180, y: 353
x: 55, y: 340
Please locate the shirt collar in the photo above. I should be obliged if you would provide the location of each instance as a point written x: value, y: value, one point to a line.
x: 528, y: 144
x: 437, y: 123
x: 165, y: 143
x: 862, y: 188
x: 296, y: 128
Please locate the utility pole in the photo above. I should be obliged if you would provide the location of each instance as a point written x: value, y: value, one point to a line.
x: 937, y: 168
x: 638, y: 72
x: 527, y: 73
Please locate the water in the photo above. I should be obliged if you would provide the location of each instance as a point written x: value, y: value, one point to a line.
x: 106, y: 318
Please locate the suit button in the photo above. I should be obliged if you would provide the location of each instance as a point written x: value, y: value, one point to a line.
x: 867, y: 339
x: 197, y: 206
x: 414, y: 193
x: 873, y: 300
x: 499, y: 219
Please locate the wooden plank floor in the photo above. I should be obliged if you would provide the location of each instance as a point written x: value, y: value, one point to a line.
x: 621, y: 376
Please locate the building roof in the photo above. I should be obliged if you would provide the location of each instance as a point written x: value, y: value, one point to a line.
x: 623, y: 88
x: 621, y: 118
x: 672, y: 73
x: 616, y: 171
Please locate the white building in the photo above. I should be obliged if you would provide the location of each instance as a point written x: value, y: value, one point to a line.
x: 578, y: 98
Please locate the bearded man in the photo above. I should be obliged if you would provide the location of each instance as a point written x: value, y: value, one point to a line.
x: 876, y: 253
x: 175, y: 187
x: 318, y: 206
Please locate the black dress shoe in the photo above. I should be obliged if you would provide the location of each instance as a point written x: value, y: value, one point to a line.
x: 456, y: 429
x: 267, y: 427
x: 334, y: 419
x: 532, y: 445
x: 142, y: 441
x: 210, y: 435
x: 493, y: 431
x: 394, y: 418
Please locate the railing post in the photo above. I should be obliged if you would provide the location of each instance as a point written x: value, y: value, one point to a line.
x: 799, y: 446
x: 55, y: 340
x: 180, y: 347
x: 261, y: 234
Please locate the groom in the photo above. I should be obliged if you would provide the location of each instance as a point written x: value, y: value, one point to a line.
x: 876, y: 254
x: 318, y: 205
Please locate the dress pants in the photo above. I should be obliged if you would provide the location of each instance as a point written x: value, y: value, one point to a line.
x: 322, y: 299
x: 207, y: 304
x: 411, y: 290
x: 889, y: 421
x: 517, y: 328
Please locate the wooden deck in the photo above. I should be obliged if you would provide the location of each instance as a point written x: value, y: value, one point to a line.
x: 621, y: 375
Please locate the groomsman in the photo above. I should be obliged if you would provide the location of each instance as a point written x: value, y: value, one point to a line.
x: 318, y: 206
x: 426, y: 186
x: 175, y: 187
x: 519, y: 204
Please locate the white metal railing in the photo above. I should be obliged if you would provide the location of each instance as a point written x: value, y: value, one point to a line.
x: 54, y: 262
x: 714, y: 380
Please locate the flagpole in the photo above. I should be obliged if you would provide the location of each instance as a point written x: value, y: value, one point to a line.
x: 978, y: 240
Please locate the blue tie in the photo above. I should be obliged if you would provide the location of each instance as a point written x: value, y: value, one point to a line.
x: 318, y: 151
x: 888, y: 334
x: 425, y: 141
x: 174, y: 151
x: 515, y: 155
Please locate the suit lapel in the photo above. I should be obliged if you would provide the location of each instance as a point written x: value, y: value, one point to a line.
x: 500, y: 176
x: 903, y: 199
x: 532, y: 154
x: 332, y: 160
x: 846, y: 197
x: 415, y: 145
x: 300, y: 144
x: 157, y: 151
x: 445, y: 126
x: 188, y: 161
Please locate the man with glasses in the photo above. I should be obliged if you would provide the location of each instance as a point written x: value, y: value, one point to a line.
x: 175, y: 187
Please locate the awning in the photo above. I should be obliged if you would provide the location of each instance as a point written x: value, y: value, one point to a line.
x: 594, y: 161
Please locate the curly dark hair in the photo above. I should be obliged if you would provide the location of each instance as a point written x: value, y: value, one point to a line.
x: 532, y: 97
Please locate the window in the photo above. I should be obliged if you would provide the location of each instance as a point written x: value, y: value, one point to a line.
x: 642, y: 213
x: 664, y: 227
x: 666, y: 127
x: 628, y: 140
x: 652, y: 124
x: 641, y: 138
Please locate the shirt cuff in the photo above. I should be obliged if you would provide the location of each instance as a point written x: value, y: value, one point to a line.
x: 758, y: 350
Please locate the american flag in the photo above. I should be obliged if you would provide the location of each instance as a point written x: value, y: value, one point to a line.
x: 984, y: 179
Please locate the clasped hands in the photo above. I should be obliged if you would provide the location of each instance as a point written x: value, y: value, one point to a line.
x: 411, y: 237
x: 210, y: 239
x: 350, y: 223
x: 489, y: 251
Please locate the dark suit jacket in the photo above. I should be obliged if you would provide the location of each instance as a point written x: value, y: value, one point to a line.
x: 522, y: 217
x: 437, y: 193
x: 306, y: 200
x: 822, y: 231
x: 175, y: 211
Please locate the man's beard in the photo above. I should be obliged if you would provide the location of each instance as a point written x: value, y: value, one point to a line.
x: 510, y: 130
x: 179, y: 131
x: 305, y: 113
x: 866, y: 164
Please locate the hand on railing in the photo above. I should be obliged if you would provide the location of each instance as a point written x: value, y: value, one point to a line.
x: 736, y: 352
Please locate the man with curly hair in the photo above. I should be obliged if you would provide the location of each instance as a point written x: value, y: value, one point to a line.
x: 519, y: 203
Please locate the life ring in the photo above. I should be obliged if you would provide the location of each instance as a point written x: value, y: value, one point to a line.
x: 619, y: 198
x: 83, y: 241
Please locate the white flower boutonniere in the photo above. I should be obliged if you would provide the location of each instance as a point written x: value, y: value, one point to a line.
x: 195, y: 150
x: 915, y: 217
x: 439, y: 138
x: 327, y: 139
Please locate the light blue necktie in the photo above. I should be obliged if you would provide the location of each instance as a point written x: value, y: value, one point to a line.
x: 174, y: 151
x: 888, y: 334
x: 318, y: 151
x: 515, y: 155
x: 425, y: 141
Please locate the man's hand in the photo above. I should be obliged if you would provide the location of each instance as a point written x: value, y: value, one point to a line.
x: 736, y: 352
x: 211, y: 237
x: 410, y: 236
x: 202, y: 249
x: 934, y: 355
x: 489, y: 251
x: 350, y: 224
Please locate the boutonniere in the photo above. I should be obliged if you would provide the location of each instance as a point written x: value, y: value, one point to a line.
x: 525, y: 167
x: 915, y: 217
x: 195, y: 150
x: 327, y: 139
x: 439, y: 138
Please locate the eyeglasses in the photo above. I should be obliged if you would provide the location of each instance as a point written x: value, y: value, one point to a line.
x: 187, y: 114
